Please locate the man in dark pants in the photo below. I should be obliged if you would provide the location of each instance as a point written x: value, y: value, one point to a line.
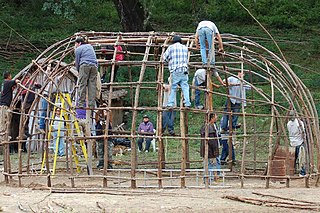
x: 145, y: 128
x: 101, y: 118
x: 5, y: 101
x: 87, y: 66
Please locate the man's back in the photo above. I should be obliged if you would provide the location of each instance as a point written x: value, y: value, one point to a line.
x: 6, y: 93
x: 177, y: 56
x: 85, y: 54
x: 296, y: 132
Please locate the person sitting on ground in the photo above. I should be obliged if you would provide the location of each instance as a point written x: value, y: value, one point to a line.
x: 101, y: 119
x: 200, y: 80
x: 237, y: 93
x: 205, y: 32
x: 145, y: 129
x: 168, y: 116
x: 177, y: 57
x: 58, y: 129
x: 297, y: 137
x: 213, y: 144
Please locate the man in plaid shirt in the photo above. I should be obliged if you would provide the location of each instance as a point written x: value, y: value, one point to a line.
x: 177, y: 57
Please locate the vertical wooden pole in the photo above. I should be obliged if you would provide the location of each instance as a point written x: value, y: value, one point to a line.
x: 271, y: 131
x: 254, y: 128
x: 134, y: 115
x: 183, y: 145
x: 242, y: 89
x: 161, y: 153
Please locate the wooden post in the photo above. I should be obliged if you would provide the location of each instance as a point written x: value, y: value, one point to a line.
x: 183, y: 145
x: 244, y: 125
x: 134, y: 115
x: 271, y: 130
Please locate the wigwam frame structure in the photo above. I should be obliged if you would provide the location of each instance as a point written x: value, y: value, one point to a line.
x: 275, y: 90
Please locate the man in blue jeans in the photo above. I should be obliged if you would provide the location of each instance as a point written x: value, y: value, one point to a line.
x: 177, y: 57
x: 206, y: 32
x: 200, y: 80
x: 168, y: 116
x: 237, y: 93
x: 225, y: 147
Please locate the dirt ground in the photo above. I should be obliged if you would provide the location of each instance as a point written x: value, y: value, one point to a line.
x: 29, y: 199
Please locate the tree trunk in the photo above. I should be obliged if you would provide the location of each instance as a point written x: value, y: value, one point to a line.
x: 133, y: 15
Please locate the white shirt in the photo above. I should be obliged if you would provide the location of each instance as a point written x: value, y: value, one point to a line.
x: 166, y: 93
x: 208, y: 24
x: 296, y: 132
x: 236, y: 92
x: 201, y: 75
x: 58, y: 123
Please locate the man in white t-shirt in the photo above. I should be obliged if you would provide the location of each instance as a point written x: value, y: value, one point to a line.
x: 206, y: 31
x: 168, y: 116
x: 200, y: 80
x: 296, y: 136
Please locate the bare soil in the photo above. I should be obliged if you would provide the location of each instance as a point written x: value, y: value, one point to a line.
x: 30, y: 199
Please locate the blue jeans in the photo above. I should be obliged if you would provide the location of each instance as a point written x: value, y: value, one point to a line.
x: 43, y: 114
x: 61, y: 147
x: 168, y: 120
x: 302, y: 170
x: 148, y: 142
x: 235, y: 108
x: 211, y: 166
x: 178, y: 77
x: 225, y: 150
x: 205, y: 34
x: 197, y: 92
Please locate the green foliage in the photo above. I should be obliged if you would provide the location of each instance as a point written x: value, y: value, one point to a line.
x: 64, y: 8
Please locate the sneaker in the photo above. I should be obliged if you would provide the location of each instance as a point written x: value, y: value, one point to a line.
x: 187, y: 107
x: 146, y: 151
x: 100, y: 165
x: 199, y: 107
x: 170, y: 108
x: 172, y: 133
x: 238, y: 126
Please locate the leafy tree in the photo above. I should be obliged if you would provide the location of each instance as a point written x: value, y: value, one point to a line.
x: 65, y: 8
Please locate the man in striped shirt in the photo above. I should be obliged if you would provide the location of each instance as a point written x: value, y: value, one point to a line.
x: 177, y: 57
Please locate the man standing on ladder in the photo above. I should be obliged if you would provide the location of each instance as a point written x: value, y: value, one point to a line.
x: 206, y: 31
x: 87, y: 66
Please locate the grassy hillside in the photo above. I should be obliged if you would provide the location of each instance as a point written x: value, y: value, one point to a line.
x: 27, y: 29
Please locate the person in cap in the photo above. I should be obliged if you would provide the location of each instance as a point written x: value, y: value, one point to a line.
x: 177, y: 57
x: 297, y: 137
x: 145, y: 129
x: 207, y: 31
x: 87, y: 66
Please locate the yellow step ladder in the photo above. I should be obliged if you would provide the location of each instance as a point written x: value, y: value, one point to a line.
x: 63, y: 98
